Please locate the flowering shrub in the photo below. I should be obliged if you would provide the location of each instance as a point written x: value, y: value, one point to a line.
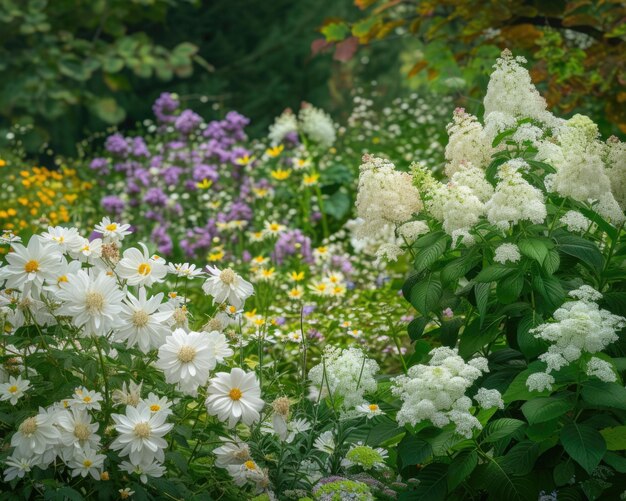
x: 518, y: 277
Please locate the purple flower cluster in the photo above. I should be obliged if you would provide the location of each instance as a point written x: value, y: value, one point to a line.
x: 293, y: 243
x: 169, y: 176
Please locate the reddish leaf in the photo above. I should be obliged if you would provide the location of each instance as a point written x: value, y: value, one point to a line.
x: 346, y: 49
x: 319, y: 45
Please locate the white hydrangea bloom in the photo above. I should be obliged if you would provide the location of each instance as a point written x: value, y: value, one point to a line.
x: 385, y: 195
x: 512, y: 93
x: 413, y: 229
x: 601, y: 369
x: 283, y: 125
x: 507, y: 253
x: 474, y: 178
x: 575, y: 221
x: 389, y: 252
x: 462, y: 209
x: 527, y: 133
x: 580, y: 169
x: 514, y: 200
x: 371, y: 242
x: 488, y: 399
x: 436, y: 391
x: 540, y: 381
x: 317, y: 126
x: 467, y: 142
x: 347, y: 373
x: 580, y: 327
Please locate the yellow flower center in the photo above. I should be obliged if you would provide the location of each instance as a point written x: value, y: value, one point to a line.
x: 94, y: 301
x: 142, y: 430
x: 87, y: 463
x: 186, y: 354
x: 250, y: 465
x: 140, y: 318
x: 155, y: 407
x: 235, y: 394
x: 111, y: 227
x: 87, y: 399
x: 82, y: 431
x: 29, y: 426
x: 62, y: 278
x: 12, y: 389
x: 227, y: 276
x: 144, y: 269
x: 373, y: 407
x: 31, y: 266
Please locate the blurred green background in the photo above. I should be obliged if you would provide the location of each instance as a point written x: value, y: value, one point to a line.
x: 72, y: 68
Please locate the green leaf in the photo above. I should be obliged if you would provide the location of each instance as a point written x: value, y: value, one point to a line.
x: 416, y: 327
x: 615, y: 461
x: 461, y: 467
x: 335, y: 32
x: 539, y: 410
x: 494, y: 272
x: 521, y: 458
x: 501, y: 428
x: 482, y: 292
x: 426, y: 294
x: 550, y: 290
x: 529, y: 345
x: 582, y: 249
x: 601, y: 394
x: 563, y: 473
x: 615, y: 302
x: 615, y: 438
x: 535, y: 248
x: 584, y: 444
x: 337, y: 205
x: 509, y: 288
x: 433, y: 485
x: 459, y: 267
x: 108, y: 110
x: 518, y: 390
x: 552, y: 262
x: 473, y: 338
x: 502, y: 484
x: 427, y: 240
x: 502, y: 136
x: 413, y: 451
x: 429, y: 255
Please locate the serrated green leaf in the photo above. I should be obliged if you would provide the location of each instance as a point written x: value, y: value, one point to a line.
x: 539, y: 410
x: 501, y: 428
x: 509, y: 288
x: 578, y: 247
x: 584, y: 444
x: 426, y: 294
x: 461, y: 467
x: 601, y: 394
x: 429, y: 255
x: 494, y: 272
x: 615, y: 438
x: 535, y: 248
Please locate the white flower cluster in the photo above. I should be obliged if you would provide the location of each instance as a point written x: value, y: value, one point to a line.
x: 436, y: 392
x: 616, y: 169
x: 575, y: 221
x: 314, y: 123
x: 507, y: 253
x: 66, y: 431
x: 385, y: 195
x: 467, y: 143
x: 514, y: 200
x: 580, y: 327
x: 581, y: 162
x: 511, y: 95
x: 344, y: 373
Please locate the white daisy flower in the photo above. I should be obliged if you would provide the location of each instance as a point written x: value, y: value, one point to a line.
x: 93, y: 302
x: 8, y: 237
x: 36, y: 435
x: 220, y: 349
x: 325, y: 442
x: 158, y: 404
x: 88, y: 250
x: 246, y: 472
x: 61, y: 275
x: 30, y: 265
x: 235, y: 397
x: 184, y: 270
x: 112, y: 231
x: 226, y: 285
x: 186, y: 359
x: 129, y: 394
x: 14, y: 389
x: 144, y: 470
x: 232, y: 451
x: 370, y: 410
x: 65, y: 239
x: 84, y: 399
x: 141, y: 434
x: 87, y: 462
x: 77, y: 430
x: 17, y: 467
x: 144, y: 323
x: 138, y: 268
